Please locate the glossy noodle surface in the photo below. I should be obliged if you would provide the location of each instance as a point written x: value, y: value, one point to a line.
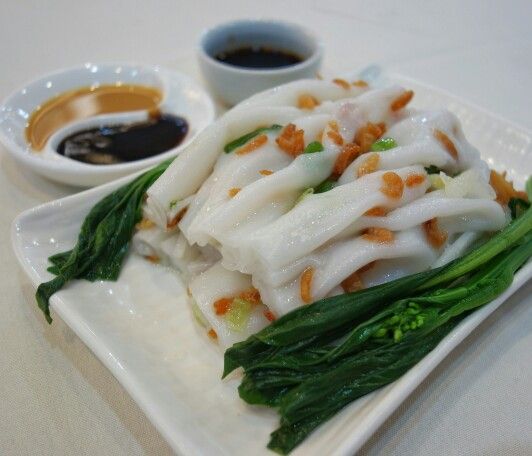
x: 253, y: 231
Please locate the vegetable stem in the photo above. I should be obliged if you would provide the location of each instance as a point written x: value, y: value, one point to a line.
x: 238, y: 142
x: 498, y: 243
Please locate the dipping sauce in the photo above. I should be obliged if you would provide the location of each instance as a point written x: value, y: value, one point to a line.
x: 258, y: 57
x: 87, y: 102
x: 124, y: 143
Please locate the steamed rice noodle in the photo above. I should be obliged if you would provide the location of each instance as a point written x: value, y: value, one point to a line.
x: 343, y: 187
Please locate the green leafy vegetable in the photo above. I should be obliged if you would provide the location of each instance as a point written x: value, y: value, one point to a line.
x: 305, y: 325
x: 315, y: 360
x: 103, y: 239
x: 432, y: 169
x: 325, y: 186
x: 383, y: 144
x: 235, y: 144
x: 308, y: 191
x: 358, y: 367
x: 198, y: 315
x: 310, y: 384
x: 57, y: 261
x: 313, y: 147
x: 358, y: 376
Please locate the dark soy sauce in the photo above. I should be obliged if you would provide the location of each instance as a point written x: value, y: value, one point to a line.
x: 258, y: 57
x: 124, y: 143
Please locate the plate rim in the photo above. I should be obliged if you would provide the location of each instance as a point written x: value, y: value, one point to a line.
x: 78, y: 326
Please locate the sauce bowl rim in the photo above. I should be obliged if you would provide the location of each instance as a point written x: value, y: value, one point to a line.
x: 303, y: 31
x: 91, y: 174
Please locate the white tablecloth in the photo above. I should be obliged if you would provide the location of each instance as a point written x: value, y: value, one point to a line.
x: 56, y: 397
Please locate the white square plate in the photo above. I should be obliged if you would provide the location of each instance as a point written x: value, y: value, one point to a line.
x: 142, y: 330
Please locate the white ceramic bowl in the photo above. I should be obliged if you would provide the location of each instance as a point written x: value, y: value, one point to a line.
x: 181, y: 96
x: 233, y: 84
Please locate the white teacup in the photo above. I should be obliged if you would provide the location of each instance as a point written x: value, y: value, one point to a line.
x: 233, y: 84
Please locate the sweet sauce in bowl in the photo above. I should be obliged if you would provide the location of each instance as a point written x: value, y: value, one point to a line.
x: 85, y: 102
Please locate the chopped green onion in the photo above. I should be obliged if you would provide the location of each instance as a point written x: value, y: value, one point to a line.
x: 432, y: 169
x: 308, y: 191
x: 238, y: 314
x: 383, y: 144
x: 436, y: 182
x: 325, y: 186
x: 313, y: 147
x: 173, y: 203
x: 236, y: 143
x: 198, y: 314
